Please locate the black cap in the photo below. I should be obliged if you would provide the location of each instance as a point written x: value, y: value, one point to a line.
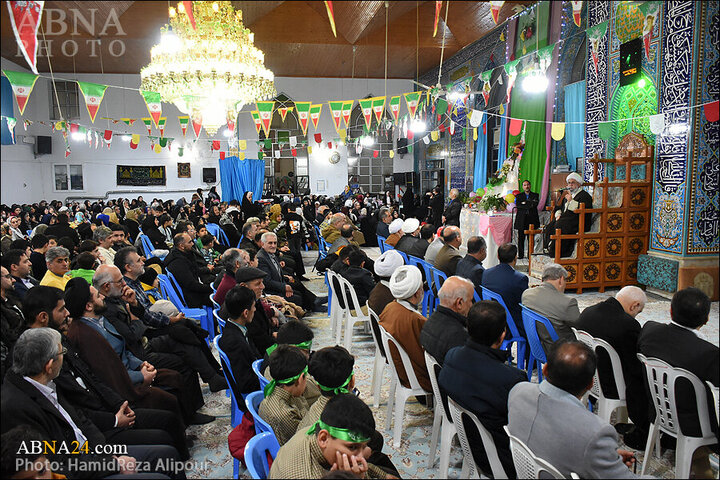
x: 247, y: 274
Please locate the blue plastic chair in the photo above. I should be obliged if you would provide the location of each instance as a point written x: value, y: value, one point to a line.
x: 147, y: 245
x: 404, y: 256
x: 476, y: 296
x: 215, y: 230
x: 252, y: 402
x: 537, y: 353
x: 235, y: 412
x: 256, y: 452
x: 256, y: 368
x: 438, y: 278
x: 514, y: 332
x: 28, y: 232
x: 169, y: 293
x: 206, y: 318
x: 418, y: 262
x: 381, y: 243
x: 240, y: 241
x: 329, y: 290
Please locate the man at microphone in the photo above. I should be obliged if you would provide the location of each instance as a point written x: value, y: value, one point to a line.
x: 565, y: 217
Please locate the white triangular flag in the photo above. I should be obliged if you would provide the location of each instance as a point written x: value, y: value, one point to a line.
x: 476, y: 118
x: 277, y: 153
x: 426, y: 139
x: 293, y: 141
x: 657, y: 123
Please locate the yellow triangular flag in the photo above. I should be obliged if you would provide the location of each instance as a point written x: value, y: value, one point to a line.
x: 502, y: 109
x: 558, y: 131
x: 392, y: 153
x: 343, y: 134
x: 475, y: 134
x: 434, y: 135
x: 309, y: 149
x: 241, y: 155
x: 242, y: 144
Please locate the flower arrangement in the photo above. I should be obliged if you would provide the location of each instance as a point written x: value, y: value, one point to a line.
x: 492, y: 202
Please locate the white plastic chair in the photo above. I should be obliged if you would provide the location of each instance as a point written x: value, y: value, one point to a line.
x: 380, y: 357
x: 353, y: 313
x: 661, y: 378
x: 716, y: 399
x: 605, y: 405
x: 337, y: 309
x: 401, y: 393
x: 442, y: 419
x: 527, y: 465
x: 456, y: 411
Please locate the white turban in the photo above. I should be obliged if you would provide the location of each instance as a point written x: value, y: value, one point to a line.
x: 348, y: 203
x: 405, y: 282
x: 410, y: 225
x: 395, y: 226
x: 574, y: 176
x: 387, y: 263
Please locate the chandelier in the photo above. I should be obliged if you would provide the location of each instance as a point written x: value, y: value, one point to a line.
x: 209, y: 71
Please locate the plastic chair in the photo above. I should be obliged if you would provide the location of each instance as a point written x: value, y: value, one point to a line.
x: 256, y: 368
x: 147, y: 245
x: 605, y: 405
x: 401, y: 393
x: 215, y: 230
x: 381, y: 243
x: 339, y: 309
x: 418, y: 262
x: 527, y: 465
x: 442, y: 420
x: 469, y: 463
x: 438, y: 278
x: 404, y: 256
x: 716, y: 399
x: 242, y: 237
x: 330, y: 300
x: 662, y: 378
x: 170, y: 293
x: 515, y: 336
x: 235, y: 412
x: 380, y: 356
x: 353, y: 313
x: 431, y: 297
x: 205, y: 318
x: 256, y: 451
x: 28, y: 232
x: 537, y: 353
x: 252, y: 402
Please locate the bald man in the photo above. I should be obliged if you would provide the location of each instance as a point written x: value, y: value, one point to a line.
x: 447, y: 326
x: 451, y: 215
x: 614, y: 321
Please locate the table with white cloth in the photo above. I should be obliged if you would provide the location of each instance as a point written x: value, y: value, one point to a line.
x: 495, y: 228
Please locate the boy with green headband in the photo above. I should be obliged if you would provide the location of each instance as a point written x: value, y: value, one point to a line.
x: 337, y: 441
x: 283, y: 406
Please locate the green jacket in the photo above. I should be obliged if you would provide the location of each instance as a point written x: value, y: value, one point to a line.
x: 83, y: 273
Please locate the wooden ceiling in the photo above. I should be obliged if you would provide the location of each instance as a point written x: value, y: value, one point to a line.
x: 295, y: 35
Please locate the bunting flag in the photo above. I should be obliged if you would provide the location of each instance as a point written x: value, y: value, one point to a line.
x: 331, y: 16
x: 712, y: 111
x: 395, y: 108
x: 366, y: 107
x: 161, y: 125
x: 131, y: 121
x: 242, y: 144
x: 25, y: 21
x: 452, y: 127
x: 293, y: 152
x: 266, y: 112
x: 184, y: 120
x: 11, y: 121
x: 495, y: 10
x: 256, y: 119
x: 94, y: 94
x: 438, y: 6
x: 516, y: 125
x: 486, y: 76
x: 595, y: 34
x: 107, y: 137
x: 187, y: 8
x: 434, y: 135
x: 511, y: 70
x: 230, y: 121
x: 476, y: 118
x: 22, y: 85
x: 657, y: 123
x: 284, y: 111
x: 545, y: 56
x: 336, y: 112
x: 315, y: 111
x: 557, y: 131
x: 148, y: 124
x: 197, y: 121
x: 475, y: 134
x: 378, y: 106
x: 153, y: 100
x: 347, y: 111
x: 303, y: 110
x: 412, y: 99
x: 650, y: 11
x: 577, y: 9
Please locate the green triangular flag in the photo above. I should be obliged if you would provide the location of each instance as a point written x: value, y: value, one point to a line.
x: 441, y: 106
x: 94, y: 94
x: 268, y: 143
x: 260, y: 155
x: 464, y: 133
x: 604, y: 130
x: 22, y: 85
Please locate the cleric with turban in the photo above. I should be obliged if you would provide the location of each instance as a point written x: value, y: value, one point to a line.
x: 565, y: 216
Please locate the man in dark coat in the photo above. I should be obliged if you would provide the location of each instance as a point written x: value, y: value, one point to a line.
x: 182, y: 265
x: 446, y: 328
x: 510, y: 284
x: 359, y: 277
x: 261, y: 331
x: 565, y: 218
x: 451, y: 215
x: 471, y: 266
x: 437, y: 203
x: 385, y: 219
x: 527, y: 214
x: 63, y: 229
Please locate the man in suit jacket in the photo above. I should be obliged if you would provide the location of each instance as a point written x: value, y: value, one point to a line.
x: 181, y: 264
x: 446, y: 328
x: 548, y: 299
x: 510, y: 284
x: 614, y: 321
x: 385, y: 219
x: 527, y: 214
x: 451, y: 215
x: 581, y: 442
x: 18, y: 264
x: 449, y: 255
x: 471, y: 266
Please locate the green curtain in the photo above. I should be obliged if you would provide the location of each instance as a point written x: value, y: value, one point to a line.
x: 530, y: 106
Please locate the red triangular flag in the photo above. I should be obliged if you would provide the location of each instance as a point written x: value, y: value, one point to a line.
x: 188, y: 10
x: 108, y: 136
x: 216, y: 145
x: 25, y: 20
x: 330, y: 145
x: 410, y: 135
x: 222, y: 155
x: 294, y: 152
x: 197, y: 124
x: 515, y: 126
x: 376, y: 153
x: 318, y: 138
x: 712, y: 111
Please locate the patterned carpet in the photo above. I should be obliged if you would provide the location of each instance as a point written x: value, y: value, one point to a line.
x: 210, y: 452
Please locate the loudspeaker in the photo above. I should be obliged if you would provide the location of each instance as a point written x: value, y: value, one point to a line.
x: 209, y: 175
x: 402, y: 146
x: 43, y: 145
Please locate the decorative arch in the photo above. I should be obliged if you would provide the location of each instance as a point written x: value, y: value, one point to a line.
x: 633, y: 101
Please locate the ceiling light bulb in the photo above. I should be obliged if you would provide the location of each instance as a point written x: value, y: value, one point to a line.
x: 215, y: 7
x: 181, y: 7
x: 367, y: 141
x: 417, y: 126
x: 228, y: 132
x: 536, y: 82
x: 77, y: 136
x: 172, y: 12
x: 454, y: 96
x: 170, y: 42
x: 641, y: 83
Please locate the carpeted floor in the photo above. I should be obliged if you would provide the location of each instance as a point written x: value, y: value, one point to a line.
x: 212, y: 459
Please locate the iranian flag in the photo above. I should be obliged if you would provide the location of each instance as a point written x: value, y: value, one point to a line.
x: 284, y: 111
x: 230, y: 119
x: 22, y: 85
x: 395, y: 108
x: 412, y: 99
x: 197, y: 123
x: 25, y: 20
x: 347, y: 111
x: 128, y: 121
x: 184, y: 120
x: 266, y: 112
x: 336, y: 111
x: 161, y: 125
x: 577, y: 9
x: 495, y: 10
x: 256, y: 119
x: 315, y: 111
x: 366, y: 107
x: 148, y: 124
x: 303, y: 110
x: 378, y: 106
x: 94, y: 94
x: 153, y: 100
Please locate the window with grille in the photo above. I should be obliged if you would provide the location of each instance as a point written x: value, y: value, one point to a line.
x: 67, y: 95
x: 68, y: 177
x: 370, y: 173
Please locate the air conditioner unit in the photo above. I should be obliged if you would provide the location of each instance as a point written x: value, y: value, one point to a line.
x: 29, y: 139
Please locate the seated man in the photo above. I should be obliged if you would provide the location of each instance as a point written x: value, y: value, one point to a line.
x: 471, y: 266
x: 507, y: 282
x: 478, y: 378
x: 40, y: 244
x: 181, y: 263
x: 434, y: 247
x: 678, y: 344
x: 360, y: 278
x: 385, y: 265
x: 402, y: 320
x: 582, y: 442
x: 396, y: 232
x: 58, y: 264
x: 284, y: 406
x: 335, y: 442
x: 565, y: 218
x: 261, y: 330
x: 331, y: 231
x: 386, y: 219
x: 447, y: 326
x: 411, y: 230
x: 345, y: 238
x: 231, y: 260
x: 18, y: 264
x: 548, y: 299
x: 449, y: 255
x: 614, y: 321
x: 427, y: 236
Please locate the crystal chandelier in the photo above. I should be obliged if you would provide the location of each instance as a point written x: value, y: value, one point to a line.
x: 209, y: 71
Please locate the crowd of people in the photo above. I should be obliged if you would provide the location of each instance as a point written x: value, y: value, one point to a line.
x: 91, y: 350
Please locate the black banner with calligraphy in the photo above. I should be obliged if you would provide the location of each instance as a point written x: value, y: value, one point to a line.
x: 140, y: 175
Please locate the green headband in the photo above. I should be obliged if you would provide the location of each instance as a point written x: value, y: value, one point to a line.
x: 306, y: 345
x: 340, y: 389
x: 339, y: 433
x: 270, y: 387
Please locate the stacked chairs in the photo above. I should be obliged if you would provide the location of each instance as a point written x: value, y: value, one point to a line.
x: 381, y: 360
x: 470, y: 468
x: 538, y: 355
x: 256, y: 454
x: 442, y: 420
x: 514, y: 332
